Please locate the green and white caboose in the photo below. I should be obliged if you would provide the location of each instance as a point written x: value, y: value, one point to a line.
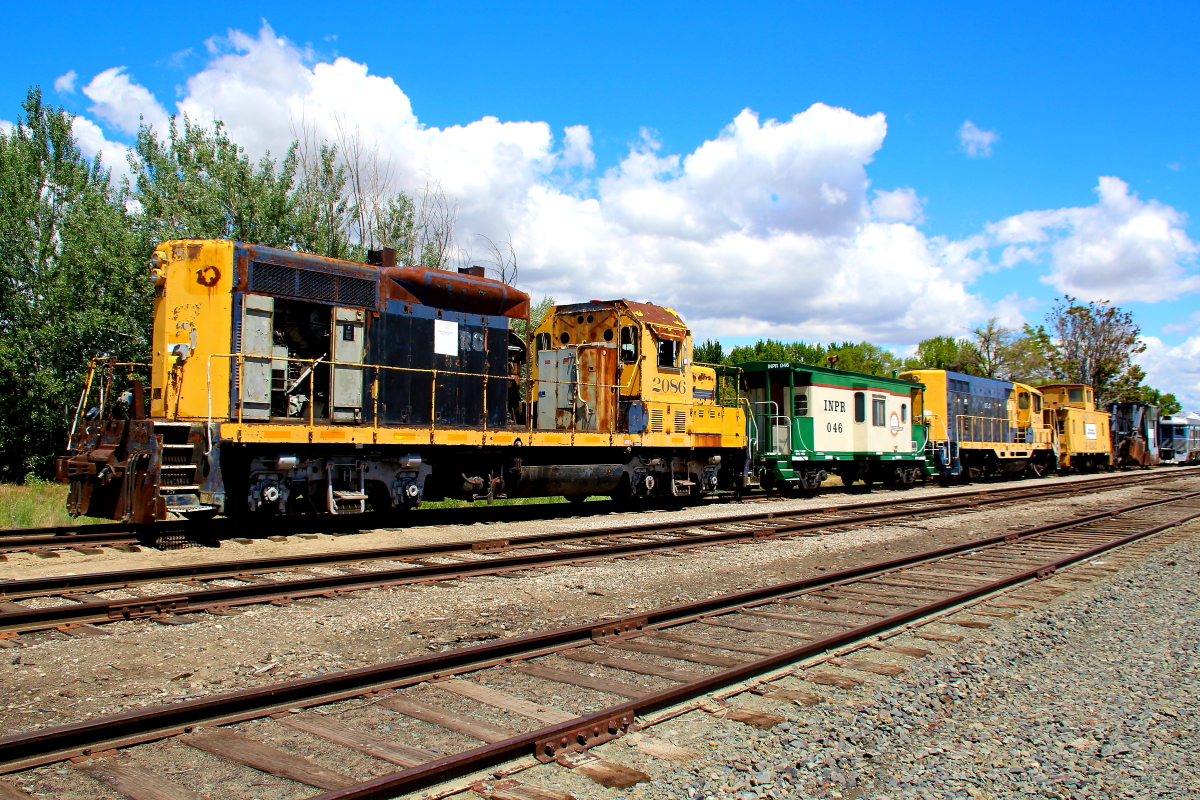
x: 808, y: 422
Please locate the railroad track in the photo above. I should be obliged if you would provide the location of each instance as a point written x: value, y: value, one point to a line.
x: 89, y: 538
x: 474, y: 708
x: 75, y: 604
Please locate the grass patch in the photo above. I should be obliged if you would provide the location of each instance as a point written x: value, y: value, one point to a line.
x: 508, y: 501
x: 37, y: 504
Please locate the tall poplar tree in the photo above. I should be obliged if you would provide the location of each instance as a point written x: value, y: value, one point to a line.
x: 72, y: 283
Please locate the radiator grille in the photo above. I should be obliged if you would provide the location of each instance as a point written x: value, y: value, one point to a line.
x: 307, y: 284
x: 680, y: 422
x: 656, y: 420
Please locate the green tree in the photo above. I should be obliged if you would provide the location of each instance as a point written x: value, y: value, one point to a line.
x: 1094, y: 343
x: 73, y: 283
x: 197, y: 183
x: 861, y: 357
x: 1025, y: 357
x: 946, y: 352
x: 864, y: 357
x: 537, y: 313
x: 708, y: 352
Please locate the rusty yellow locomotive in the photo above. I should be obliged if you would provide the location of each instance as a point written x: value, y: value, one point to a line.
x: 285, y: 383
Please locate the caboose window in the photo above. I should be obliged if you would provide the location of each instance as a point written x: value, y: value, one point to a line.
x: 1089, y: 395
x: 629, y: 349
x: 904, y: 412
x: 1074, y: 395
x: 800, y: 406
x: 860, y: 407
x: 878, y: 412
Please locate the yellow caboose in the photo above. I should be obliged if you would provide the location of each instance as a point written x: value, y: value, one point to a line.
x: 1084, y: 442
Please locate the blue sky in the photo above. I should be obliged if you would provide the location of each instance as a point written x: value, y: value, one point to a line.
x: 1071, y: 92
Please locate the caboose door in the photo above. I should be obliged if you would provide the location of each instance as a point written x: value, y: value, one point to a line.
x: 346, y: 380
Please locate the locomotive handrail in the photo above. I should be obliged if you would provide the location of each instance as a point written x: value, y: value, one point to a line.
x: 1001, y: 422
x: 240, y: 358
x: 87, y: 386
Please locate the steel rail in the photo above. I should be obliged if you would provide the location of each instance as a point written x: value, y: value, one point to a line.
x: 114, y: 534
x: 31, y: 587
x: 564, y: 737
x: 35, y: 748
x: 27, y: 620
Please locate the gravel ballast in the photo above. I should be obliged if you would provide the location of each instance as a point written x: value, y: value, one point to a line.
x: 1094, y: 697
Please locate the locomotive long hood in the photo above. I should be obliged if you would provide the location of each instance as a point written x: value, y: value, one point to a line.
x: 443, y: 289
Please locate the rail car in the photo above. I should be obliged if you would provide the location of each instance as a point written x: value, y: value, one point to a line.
x: 1179, y: 439
x: 1134, y: 429
x: 980, y: 426
x: 285, y: 383
x: 809, y: 422
x: 1083, y: 438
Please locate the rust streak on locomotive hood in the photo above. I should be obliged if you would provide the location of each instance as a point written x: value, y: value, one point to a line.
x: 444, y: 289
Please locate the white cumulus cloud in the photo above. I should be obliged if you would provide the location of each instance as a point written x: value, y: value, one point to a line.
x: 1121, y: 249
x: 92, y: 143
x: 976, y: 142
x: 66, y: 83
x: 123, y: 103
x: 1174, y: 369
x: 898, y: 205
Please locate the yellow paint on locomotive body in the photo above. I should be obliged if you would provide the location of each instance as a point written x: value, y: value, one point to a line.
x: 193, y: 319
x: 933, y: 400
x: 644, y: 379
x: 1026, y: 411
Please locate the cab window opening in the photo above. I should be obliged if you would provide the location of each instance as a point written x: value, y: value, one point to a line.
x: 1074, y: 395
x: 542, y: 341
x: 860, y: 407
x: 1037, y: 403
x: 668, y: 353
x: 629, y: 348
x: 1023, y: 401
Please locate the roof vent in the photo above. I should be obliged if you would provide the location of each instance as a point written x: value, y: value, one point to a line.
x: 475, y: 271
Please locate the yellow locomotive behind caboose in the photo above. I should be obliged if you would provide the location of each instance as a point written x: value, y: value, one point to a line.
x: 1082, y: 433
x: 982, y: 426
